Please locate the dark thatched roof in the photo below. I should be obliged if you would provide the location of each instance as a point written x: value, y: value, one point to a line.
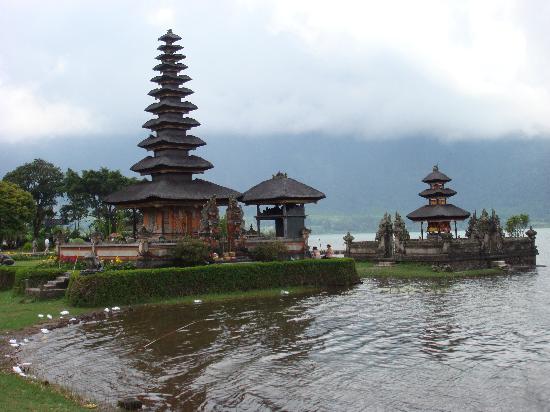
x: 172, y: 190
x: 167, y: 48
x: 169, y: 67
x: 184, y: 141
x: 436, y: 176
x: 435, y: 212
x: 441, y: 192
x: 168, y: 90
x: 169, y: 37
x: 281, y: 189
x: 171, y: 78
x: 178, y: 107
x: 160, y: 123
x: 183, y: 163
x: 170, y: 57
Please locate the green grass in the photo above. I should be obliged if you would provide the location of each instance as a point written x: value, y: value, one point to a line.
x: 26, y: 263
x: 17, y: 312
x: 417, y: 271
x: 18, y: 395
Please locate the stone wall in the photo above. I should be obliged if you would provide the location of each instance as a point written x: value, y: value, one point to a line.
x: 459, y: 253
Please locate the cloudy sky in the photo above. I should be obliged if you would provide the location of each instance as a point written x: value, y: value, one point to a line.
x: 367, y: 69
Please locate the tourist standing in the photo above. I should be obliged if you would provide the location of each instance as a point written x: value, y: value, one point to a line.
x: 315, y: 254
x: 46, y: 246
x: 329, y: 253
x: 34, y: 246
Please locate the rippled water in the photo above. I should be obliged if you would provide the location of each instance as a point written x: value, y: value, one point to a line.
x: 480, y: 344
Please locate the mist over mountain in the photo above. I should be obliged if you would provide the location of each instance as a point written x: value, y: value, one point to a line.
x: 361, y: 179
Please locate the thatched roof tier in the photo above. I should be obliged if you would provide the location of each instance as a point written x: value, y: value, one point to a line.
x: 164, y: 123
x: 436, y: 176
x: 169, y: 48
x: 172, y: 190
x: 171, y: 78
x: 435, y: 212
x: 170, y: 57
x: 440, y: 192
x: 168, y: 90
x: 169, y: 67
x: 176, y: 107
x: 169, y: 37
x: 181, y: 141
x: 281, y: 189
x: 188, y: 164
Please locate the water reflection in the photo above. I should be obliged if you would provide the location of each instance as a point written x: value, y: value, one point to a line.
x: 464, y: 344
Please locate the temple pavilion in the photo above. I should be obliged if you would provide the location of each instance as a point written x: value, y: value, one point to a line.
x: 438, y: 213
x: 172, y: 200
x: 283, y: 200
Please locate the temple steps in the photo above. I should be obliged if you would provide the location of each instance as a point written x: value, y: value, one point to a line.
x: 52, y: 289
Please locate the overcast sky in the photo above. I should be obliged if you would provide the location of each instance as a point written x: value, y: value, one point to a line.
x: 367, y: 69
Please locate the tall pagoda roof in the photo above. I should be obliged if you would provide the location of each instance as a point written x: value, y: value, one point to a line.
x: 435, y: 212
x: 436, y: 176
x: 196, y: 190
x: 181, y: 163
x: 171, y: 167
x: 281, y: 189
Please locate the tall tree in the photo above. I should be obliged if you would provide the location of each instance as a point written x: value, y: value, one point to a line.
x: 16, y: 210
x: 44, y: 181
x: 92, y: 186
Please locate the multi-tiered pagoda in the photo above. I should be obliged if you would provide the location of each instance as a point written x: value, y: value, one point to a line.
x: 438, y: 213
x: 171, y: 202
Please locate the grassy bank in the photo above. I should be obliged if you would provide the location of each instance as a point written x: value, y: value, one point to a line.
x: 417, y: 271
x: 18, y: 394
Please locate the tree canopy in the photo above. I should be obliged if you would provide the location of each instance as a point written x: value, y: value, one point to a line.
x: 516, y: 225
x: 44, y: 181
x: 17, y: 208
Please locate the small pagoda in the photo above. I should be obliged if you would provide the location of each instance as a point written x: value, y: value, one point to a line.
x: 171, y: 202
x: 438, y: 213
x: 286, y: 199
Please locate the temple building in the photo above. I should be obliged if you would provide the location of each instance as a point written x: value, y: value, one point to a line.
x: 438, y: 213
x: 171, y: 202
x: 284, y: 200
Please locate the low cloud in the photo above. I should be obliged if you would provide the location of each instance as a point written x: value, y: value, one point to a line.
x: 25, y: 116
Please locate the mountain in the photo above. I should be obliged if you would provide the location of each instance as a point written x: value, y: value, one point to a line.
x: 361, y: 178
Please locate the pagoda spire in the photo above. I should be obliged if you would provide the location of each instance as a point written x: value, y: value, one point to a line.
x: 169, y: 140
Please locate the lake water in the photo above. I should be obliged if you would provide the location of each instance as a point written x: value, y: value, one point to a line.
x: 473, y: 344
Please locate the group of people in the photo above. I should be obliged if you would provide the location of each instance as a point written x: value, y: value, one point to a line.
x: 316, y: 253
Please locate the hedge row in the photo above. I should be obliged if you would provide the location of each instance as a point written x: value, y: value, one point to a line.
x: 7, y: 278
x: 36, y: 277
x: 140, y: 285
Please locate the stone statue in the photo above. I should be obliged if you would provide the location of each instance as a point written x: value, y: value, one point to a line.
x: 209, y: 229
x: 348, y: 240
x: 384, y: 235
x: 400, y: 233
x: 235, y: 222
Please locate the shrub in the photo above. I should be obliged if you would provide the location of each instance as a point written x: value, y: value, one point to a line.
x: 270, y: 251
x: 141, y: 285
x: 191, y: 252
x: 7, y: 278
x: 36, y: 277
x: 77, y: 240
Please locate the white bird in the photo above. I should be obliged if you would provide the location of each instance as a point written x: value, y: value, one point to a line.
x: 72, y: 320
x: 26, y: 340
x: 14, y: 345
x: 64, y: 312
x: 40, y: 315
x: 106, y: 310
x: 13, y: 340
x: 17, y: 369
x: 26, y: 364
x: 197, y: 301
x: 115, y: 308
x: 284, y: 292
x: 49, y: 316
x: 44, y: 330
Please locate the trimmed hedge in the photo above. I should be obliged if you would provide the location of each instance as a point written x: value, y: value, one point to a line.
x: 36, y: 276
x: 7, y: 278
x: 140, y: 285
